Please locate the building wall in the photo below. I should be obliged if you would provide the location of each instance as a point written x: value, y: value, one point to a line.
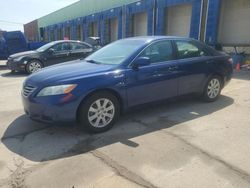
x: 204, y: 24
x: 79, y: 9
x: 31, y: 31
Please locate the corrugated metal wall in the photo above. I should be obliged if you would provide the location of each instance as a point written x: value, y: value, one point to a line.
x: 93, y: 17
x: 79, y: 9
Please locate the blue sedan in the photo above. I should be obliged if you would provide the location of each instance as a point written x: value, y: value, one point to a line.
x: 122, y: 75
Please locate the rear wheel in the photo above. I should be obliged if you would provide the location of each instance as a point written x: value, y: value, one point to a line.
x: 212, y: 89
x: 99, y: 112
x: 33, y: 66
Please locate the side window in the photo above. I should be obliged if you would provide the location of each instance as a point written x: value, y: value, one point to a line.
x: 79, y: 46
x: 66, y: 47
x: 188, y: 50
x: 61, y: 47
x: 159, y: 52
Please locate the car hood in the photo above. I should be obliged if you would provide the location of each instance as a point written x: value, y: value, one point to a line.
x: 66, y: 72
x: 23, y: 54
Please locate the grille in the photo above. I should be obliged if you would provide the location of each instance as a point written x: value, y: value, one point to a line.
x: 27, y: 90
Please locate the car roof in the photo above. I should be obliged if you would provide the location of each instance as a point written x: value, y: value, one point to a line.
x: 154, y: 38
x: 60, y: 41
x: 74, y: 41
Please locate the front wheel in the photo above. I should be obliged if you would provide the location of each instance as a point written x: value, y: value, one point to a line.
x: 212, y: 89
x: 33, y: 66
x: 99, y: 112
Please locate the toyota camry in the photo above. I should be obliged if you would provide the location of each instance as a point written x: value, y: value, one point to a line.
x: 124, y: 74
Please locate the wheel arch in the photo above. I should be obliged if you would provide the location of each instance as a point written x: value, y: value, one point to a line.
x: 220, y: 76
x: 209, y: 77
x: 37, y: 59
x: 32, y: 59
x: 111, y: 91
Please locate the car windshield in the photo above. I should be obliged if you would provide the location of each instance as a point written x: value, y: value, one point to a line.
x: 116, y: 52
x: 45, y: 47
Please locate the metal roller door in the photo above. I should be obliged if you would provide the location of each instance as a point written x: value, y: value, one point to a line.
x: 178, y: 20
x: 79, y: 32
x: 140, y: 21
x: 59, y: 34
x: 234, y: 27
x: 95, y: 29
x: 52, y: 35
x: 67, y: 33
x: 46, y: 36
x: 113, y: 29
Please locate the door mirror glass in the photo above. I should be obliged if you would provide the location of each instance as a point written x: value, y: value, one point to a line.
x: 141, y: 62
x: 51, y: 51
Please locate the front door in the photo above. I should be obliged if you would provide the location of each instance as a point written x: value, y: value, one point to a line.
x: 60, y: 53
x: 157, y: 81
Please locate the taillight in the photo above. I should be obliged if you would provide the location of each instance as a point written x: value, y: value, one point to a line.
x: 230, y: 61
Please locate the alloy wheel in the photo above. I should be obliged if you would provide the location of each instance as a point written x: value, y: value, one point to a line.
x: 101, y: 113
x: 35, y: 66
x: 213, y: 88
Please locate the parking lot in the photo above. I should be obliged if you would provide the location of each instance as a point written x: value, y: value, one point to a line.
x: 181, y: 143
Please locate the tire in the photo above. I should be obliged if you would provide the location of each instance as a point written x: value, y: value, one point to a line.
x: 99, y: 119
x: 212, y: 89
x: 33, y: 66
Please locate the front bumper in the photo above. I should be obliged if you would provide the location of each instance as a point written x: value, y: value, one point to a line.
x: 15, y: 65
x: 50, y: 109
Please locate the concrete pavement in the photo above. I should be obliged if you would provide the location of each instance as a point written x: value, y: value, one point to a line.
x: 185, y: 143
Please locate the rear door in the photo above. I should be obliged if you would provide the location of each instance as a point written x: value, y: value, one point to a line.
x: 80, y: 50
x: 157, y: 81
x: 195, y: 65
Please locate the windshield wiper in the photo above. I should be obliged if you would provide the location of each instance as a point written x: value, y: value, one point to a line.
x: 93, y: 61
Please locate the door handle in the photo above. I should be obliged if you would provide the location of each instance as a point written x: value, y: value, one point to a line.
x: 209, y: 61
x: 156, y: 74
x: 173, y: 68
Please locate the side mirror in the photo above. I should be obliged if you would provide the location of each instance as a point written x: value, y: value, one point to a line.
x: 141, y: 62
x: 51, y: 51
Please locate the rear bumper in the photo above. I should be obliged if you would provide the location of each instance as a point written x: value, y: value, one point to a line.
x: 227, y: 80
x: 228, y: 76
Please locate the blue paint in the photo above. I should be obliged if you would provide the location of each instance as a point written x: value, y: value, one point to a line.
x: 195, y: 18
x: 132, y: 84
x: 91, y: 19
x: 139, y: 7
x: 111, y: 14
x: 212, y: 26
x: 147, y: 6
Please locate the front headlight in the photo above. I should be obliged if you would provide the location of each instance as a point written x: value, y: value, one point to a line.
x: 18, y: 59
x: 56, y: 90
